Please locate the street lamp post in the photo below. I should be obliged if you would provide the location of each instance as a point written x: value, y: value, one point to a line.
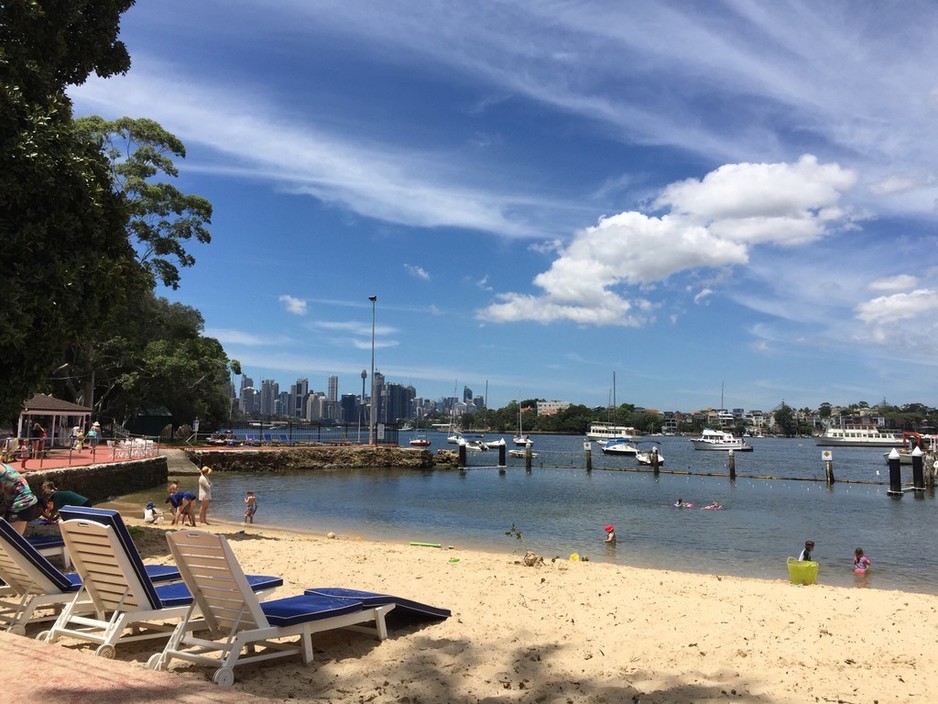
x: 361, y: 408
x: 371, y: 411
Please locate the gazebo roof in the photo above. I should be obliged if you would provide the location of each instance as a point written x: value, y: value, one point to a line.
x: 43, y: 404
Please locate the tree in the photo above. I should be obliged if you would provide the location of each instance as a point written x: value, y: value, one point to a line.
x: 62, y: 226
x: 162, y: 218
x: 785, y: 419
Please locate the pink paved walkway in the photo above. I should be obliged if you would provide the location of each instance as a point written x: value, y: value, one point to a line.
x: 41, y: 672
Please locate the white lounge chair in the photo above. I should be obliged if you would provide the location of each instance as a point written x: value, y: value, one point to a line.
x: 237, y: 622
x: 34, y: 586
x: 115, y: 580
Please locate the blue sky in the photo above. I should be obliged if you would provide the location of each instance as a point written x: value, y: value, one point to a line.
x: 692, y: 196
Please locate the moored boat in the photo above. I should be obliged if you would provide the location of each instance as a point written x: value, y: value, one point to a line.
x: 618, y: 446
x: 858, y: 435
x: 420, y: 440
x: 648, y: 457
x: 605, y: 431
x: 712, y: 439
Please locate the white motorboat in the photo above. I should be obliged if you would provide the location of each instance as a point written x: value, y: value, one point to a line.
x: 601, y: 432
x: 859, y: 435
x: 619, y: 446
x: 519, y: 453
x: 647, y: 457
x: 712, y: 439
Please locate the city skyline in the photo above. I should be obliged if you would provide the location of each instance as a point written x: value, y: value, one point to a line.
x: 695, y: 196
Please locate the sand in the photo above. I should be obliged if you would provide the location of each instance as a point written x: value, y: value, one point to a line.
x: 581, y: 631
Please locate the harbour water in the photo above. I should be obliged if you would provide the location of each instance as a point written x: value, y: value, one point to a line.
x: 559, y: 508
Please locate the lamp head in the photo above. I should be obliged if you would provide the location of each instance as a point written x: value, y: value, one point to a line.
x: 372, y: 298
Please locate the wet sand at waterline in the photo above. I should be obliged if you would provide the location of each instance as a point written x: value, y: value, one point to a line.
x: 569, y: 631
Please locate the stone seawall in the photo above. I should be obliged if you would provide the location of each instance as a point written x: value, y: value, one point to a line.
x: 320, y: 457
x: 99, y: 482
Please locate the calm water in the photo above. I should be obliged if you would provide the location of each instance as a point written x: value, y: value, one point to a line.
x: 560, y: 509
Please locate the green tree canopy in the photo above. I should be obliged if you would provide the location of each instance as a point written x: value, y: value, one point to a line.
x: 162, y: 218
x: 62, y: 225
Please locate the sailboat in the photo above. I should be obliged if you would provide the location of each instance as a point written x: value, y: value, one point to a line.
x: 520, y: 439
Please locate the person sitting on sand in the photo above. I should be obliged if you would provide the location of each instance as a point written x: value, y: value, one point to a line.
x: 54, y: 499
x: 151, y: 514
x: 805, y: 555
x: 861, y: 563
x: 611, y: 534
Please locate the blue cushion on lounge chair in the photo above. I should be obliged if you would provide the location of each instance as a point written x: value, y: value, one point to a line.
x: 306, y: 607
x: 371, y: 599
x: 178, y: 594
x: 41, y: 542
x: 24, y: 547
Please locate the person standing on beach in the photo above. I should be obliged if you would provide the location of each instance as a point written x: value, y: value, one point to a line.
x: 250, y: 508
x: 805, y: 555
x: 205, y: 494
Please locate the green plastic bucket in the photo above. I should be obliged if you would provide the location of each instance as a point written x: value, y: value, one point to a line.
x: 802, y: 571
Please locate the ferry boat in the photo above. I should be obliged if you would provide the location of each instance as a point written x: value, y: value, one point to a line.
x: 601, y: 432
x: 858, y: 435
x: 720, y: 440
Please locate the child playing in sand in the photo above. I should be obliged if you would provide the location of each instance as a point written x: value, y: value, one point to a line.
x: 151, y: 514
x: 250, y: 508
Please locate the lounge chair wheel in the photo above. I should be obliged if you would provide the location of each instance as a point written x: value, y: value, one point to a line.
x: 223, y: 677
x: 18, y: 630
x: 105, y: 651
x: 154, y: 661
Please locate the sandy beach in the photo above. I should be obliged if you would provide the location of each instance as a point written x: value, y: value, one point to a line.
x: 579, y: 631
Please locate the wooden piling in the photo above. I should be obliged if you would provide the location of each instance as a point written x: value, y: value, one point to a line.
x: 895, y: 477
x: 588, y: 447
x: 655, y: 461
x: 462, y: 455
x: 731, y: 464
x: 528, y: 456
x: 918, y: 470
x: 502, y: 455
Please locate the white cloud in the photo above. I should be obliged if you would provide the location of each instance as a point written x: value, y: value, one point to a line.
x: 906, y: 322
x: 712, y: 224
x: 894, y: 283
x: 240, y: 337
x: 917, y: 305
x: 296, y: 306
x: 417, y: 272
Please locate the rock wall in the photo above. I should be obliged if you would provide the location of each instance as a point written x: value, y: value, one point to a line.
x: 99, y: 482
x: 320, y: 457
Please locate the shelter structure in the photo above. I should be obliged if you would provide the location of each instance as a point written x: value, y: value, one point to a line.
x: 64, y: 415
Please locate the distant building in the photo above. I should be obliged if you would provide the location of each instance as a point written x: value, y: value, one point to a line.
x: 550, y: 408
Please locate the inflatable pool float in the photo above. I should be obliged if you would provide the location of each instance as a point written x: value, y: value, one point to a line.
x: 682, y: 505
x: 712, y: 507
x: 802, y: 571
